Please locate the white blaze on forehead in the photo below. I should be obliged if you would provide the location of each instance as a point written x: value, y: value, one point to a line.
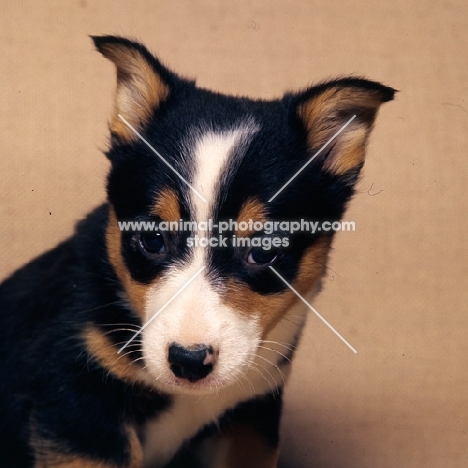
x: 211, y: 153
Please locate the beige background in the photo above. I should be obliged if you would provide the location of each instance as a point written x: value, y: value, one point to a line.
x: 396, y: 288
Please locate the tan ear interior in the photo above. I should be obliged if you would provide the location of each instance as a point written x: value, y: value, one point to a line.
x: 140, y: 90
x: 328, y: 112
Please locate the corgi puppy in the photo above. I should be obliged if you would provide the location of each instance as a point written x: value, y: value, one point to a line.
x: 162, y: 332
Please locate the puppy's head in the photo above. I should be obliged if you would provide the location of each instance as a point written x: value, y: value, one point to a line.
x: 205, y: 291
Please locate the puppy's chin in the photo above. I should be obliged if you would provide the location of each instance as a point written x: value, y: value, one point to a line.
x: 166, y: 382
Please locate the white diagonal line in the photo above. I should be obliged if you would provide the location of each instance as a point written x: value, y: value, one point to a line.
x: 312, y: 158
x: 161, y: 157
x: 161, y: 309
x: 313, y: 310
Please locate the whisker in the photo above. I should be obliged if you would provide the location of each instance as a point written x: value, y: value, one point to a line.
x: 263, y: 376
x: 276, y: 351
x: 123, y: 324
x: 280, y: 372
x: 243, y: 376
x: 289, y: 347
x: 99, y: 307
x: 115, y: 330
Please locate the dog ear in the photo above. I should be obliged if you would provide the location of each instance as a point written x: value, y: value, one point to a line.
x: 324, y: 111
x: 143, y: 84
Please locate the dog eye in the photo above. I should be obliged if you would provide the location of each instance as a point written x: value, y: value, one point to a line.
x: 152, y: 242
x: 259, y: 255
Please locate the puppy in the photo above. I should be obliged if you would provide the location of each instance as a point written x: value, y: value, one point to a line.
x: 161, y: 333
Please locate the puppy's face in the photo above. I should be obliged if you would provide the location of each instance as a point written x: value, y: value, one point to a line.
x: 205, y: 168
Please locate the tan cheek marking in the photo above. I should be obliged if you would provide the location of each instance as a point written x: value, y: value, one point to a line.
x: 167, y: 206
x: 253, y: 210
x: 50, y: 453
x: 140, y: 90
x: 248, y: 449
x: 350, y: 145
x: 101, y: 348
x: 135, y: 291
x: 69, y: 461
x: 271, y: 308
x: 313, y: 265
x: 267, y: 308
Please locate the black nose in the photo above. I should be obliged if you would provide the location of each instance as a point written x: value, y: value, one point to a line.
x: 192, y: 363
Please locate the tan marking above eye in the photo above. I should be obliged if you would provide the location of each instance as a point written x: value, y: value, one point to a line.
x: 253, y: 209
x: 167, y: 206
